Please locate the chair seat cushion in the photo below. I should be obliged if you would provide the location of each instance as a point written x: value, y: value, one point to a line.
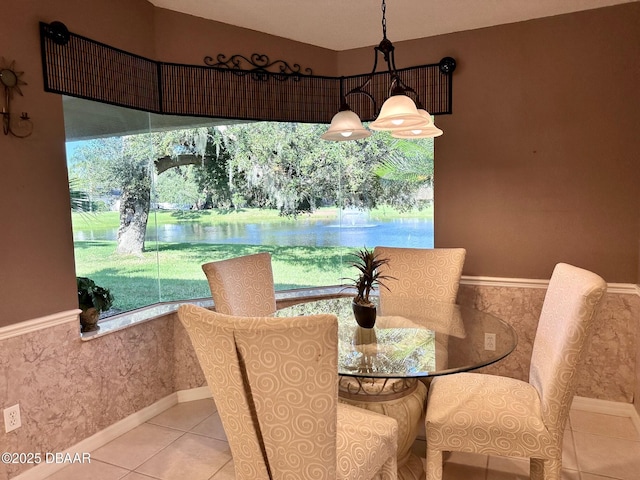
x: 487, y: 414
x: 365, y: 441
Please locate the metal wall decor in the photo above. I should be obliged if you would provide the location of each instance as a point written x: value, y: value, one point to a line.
x: 259, y: 65
x: 447, y: 65
x: 80, y: 67
x: 10, y: 80
x: 57, y: 32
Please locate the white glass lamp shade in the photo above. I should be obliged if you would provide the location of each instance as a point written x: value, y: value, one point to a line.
x: 397, y: 113
x: 426, y: 130
x: 345, y: 125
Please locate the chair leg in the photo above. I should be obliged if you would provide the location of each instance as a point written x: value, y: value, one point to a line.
x: 549, y: 469
x: 434, y: 464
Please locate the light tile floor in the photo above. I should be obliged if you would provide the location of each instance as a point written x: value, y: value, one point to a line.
x: 187, y: 442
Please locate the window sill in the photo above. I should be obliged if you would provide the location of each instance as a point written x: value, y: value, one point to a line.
x: 151, y: 312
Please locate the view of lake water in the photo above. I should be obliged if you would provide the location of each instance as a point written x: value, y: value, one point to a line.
x: 356, y: 232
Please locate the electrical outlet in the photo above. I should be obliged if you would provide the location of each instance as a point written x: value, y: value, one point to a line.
x: 12, y: 418
x: 490, y: 341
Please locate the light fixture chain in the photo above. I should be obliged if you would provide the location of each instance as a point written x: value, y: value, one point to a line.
x: 384, y: 19
x: 402, y: 112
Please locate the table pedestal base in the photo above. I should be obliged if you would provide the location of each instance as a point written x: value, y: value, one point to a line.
x: 413, y: 469
x: 408, y: 410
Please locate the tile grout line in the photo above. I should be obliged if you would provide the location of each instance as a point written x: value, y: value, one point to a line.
x: 135, y: 470
x: 212, y: 477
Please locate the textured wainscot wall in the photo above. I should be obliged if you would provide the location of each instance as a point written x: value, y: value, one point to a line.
x: 69, y: 389
x: 608, y: 371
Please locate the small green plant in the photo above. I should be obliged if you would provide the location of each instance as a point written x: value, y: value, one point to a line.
x: 368, y: 263
x: 91, y: 295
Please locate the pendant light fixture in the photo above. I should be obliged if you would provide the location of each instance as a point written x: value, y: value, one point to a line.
x: 345, y: 125
x: 428, y: 130
x: 399, y: 113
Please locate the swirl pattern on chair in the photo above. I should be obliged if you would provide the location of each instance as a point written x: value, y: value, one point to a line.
x: 242, y: 285
x: 274, y: 381
x: 495, y: 415
x: 425, y: 276
x: 432, y: 274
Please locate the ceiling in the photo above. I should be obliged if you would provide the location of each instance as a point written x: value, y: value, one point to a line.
x: 345, y: 24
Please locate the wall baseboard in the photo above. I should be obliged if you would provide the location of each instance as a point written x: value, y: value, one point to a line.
x: 607, y: 407
x: 198, y: 393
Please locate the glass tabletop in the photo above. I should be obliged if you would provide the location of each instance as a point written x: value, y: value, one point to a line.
x: 413, y: 338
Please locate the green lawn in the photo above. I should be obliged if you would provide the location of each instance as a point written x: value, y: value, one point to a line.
x: 172, y: 271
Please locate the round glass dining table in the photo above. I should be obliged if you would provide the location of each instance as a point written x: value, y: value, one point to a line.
x: 413, y: 338
x: 380, y: 368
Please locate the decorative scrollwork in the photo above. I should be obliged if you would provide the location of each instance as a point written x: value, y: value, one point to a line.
x: 262, y: 67
x: 357, y: 388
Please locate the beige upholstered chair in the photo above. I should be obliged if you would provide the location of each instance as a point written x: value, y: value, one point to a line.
x: 493, y: 415
x: 431, y: 274
x: 242, y: 285
x: 274, y: 382
x: 425, y: 276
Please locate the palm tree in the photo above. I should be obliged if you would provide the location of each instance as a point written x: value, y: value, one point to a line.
x: 411, y: 161
x: 79, y: 199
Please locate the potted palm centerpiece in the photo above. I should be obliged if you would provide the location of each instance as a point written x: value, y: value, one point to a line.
x: 368, y: 264
x: 92, y: 300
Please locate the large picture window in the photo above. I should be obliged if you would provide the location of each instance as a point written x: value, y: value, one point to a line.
x: 155, y: 197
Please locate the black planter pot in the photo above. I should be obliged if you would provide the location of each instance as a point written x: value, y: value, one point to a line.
x: 365, y: 315
x: 89, y: 320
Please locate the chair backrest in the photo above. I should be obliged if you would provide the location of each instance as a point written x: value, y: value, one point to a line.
x: 242, y: 285
x: 274, y: 382
x: 428, y: 273
x: 563, y: 330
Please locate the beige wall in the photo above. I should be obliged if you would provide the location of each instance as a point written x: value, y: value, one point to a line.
x: 208, y: 38
x: 552, y: 175
x: 37, y: 274
x: 538, y: 162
